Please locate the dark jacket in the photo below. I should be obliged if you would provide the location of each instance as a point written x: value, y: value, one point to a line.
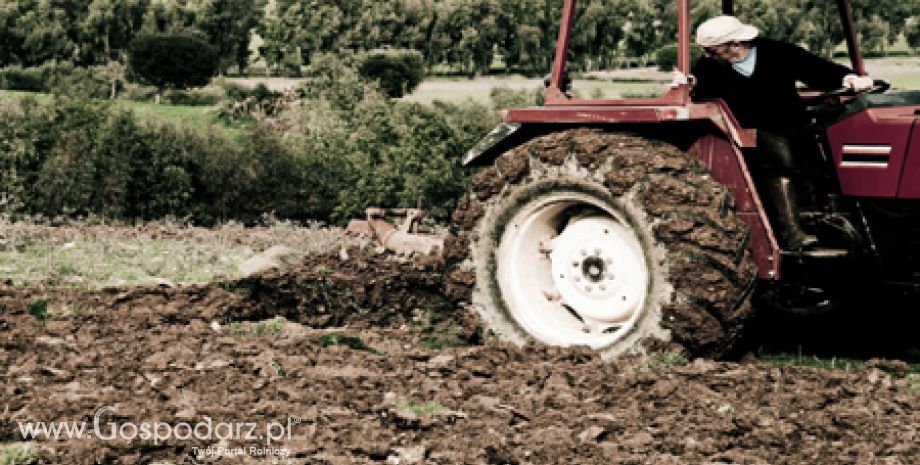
x: 768, y: 99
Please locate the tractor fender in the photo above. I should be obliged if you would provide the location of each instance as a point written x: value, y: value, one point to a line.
x: 485, y: 148
x: 715, y: 149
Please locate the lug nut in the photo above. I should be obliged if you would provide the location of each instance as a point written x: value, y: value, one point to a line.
x: 584, y: 252
x: 588, y: 289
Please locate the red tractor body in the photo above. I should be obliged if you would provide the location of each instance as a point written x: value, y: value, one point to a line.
x: 873, y: 148
x: 621, y: 223
x: 877, y: 152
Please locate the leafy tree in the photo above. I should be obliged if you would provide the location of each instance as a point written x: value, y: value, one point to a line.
x: 279, y: 32
x: 110, y: 25
x: 44, y: 33
x: 399, y: 71
x: 169, y: 16
x: 172, y: 60
x: 229, y: 25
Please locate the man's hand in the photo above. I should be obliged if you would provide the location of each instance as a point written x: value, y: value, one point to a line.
x: 681, y: 79
x: 858, y: 83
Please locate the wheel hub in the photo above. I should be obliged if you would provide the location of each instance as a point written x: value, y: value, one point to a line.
x: 572, y: 271
x: 598, y: 269
x: 593, y: 269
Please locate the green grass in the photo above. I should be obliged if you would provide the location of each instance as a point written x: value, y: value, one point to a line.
x: 193, y: 116
x: 660, y: 360
x: 913, y: 382
x: 39, y: 97
x: 276, y: 364
x: 196, y: 116
x: 352, y: 342
x: 96, y: 263
x: 272, y: 328
x: 811, y: 361
x: 38, y: 308
x: 837, y: 363
x: 88, y: 256
x: 419, y: 410
x: 18, y: 454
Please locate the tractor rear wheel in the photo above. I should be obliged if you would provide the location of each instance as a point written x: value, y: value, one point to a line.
x: 606, y: 239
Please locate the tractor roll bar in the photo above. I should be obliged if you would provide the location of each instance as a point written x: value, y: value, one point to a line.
x: 555, y: 92
x: 846, y: 19
x: 556, y: 89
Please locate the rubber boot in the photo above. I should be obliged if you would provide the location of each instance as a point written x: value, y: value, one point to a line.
x: 781, y: 192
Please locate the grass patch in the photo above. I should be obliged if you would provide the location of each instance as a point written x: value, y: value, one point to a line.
x: 276, y: 364
x: 419, y: 410
x: 437, y: 330
x: 434, y: 344
x: 89, y: 256
x: 660, y: 360
x: 194, y: 116
x: 18, y: 454
x: 352, y: 342
x: 100, y: 262
x: 811, y: 361
x: 272, y: 328
x: 913, y: 382
x: 38, y: 308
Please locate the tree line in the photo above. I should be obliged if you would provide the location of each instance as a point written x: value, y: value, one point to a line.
x: 467, y: 36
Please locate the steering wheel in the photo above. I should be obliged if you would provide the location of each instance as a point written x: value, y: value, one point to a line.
x: 879, y: 86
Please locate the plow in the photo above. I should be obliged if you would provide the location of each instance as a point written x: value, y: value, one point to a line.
x: 403, y: 239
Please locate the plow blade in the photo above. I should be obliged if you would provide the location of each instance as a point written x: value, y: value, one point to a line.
x: 403, y: 239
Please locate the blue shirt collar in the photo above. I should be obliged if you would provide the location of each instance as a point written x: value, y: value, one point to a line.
x: 746, y: 66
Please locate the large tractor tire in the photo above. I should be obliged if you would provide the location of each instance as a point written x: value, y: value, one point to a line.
x: 606, y: 239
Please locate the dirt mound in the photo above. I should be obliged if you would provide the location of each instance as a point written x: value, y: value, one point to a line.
x: 373, y: 364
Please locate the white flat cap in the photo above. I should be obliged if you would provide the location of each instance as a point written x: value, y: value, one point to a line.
x: 724, y: 29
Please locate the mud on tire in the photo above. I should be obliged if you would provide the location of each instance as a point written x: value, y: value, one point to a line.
x: 698, y: 268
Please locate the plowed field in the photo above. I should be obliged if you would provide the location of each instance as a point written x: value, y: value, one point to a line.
x: 366, y: 360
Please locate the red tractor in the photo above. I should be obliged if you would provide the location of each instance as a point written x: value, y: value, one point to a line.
x: 629, y: 224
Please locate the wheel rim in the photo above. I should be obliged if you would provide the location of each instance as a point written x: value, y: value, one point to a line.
x: 571, y: 271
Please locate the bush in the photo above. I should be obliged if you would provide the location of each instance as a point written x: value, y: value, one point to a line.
x: 317, y: 160
x: 79, y: 82
x: 239, y: 92
x: 401, y: 155
x: 56, y: 77
x: 205, y: 96
x: 139, y: 93
x: 335, y: 79
x: 25, y: 79
x: 172, y: 60
x: 504, y: 98
x: 666, y: 57
x: 398, y: 71
x: 470, y: 120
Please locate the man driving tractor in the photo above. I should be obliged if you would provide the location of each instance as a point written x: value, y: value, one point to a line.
x: 756, y: 77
